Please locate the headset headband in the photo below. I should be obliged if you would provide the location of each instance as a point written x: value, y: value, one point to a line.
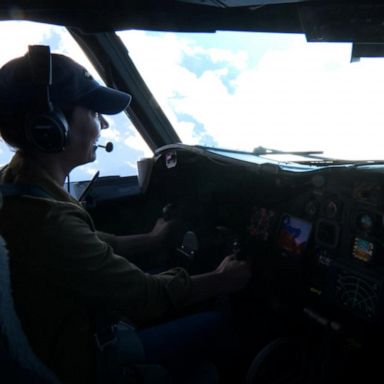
x: 40, y: 64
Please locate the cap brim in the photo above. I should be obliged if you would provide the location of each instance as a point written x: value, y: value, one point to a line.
x: 105, y: 100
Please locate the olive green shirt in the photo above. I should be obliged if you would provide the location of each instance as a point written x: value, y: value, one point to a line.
x: 61, y: 266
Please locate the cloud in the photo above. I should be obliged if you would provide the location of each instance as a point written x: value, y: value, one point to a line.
x: 296, y: 96
x: 111, y: 134
x: 302, y: 105
x: 131, y: 164
x: 181, y: 91
x: 15, y: 36
x: 186, y: 131
x: 236, y: 59
x: 88, y: 169
x: 135, y: 141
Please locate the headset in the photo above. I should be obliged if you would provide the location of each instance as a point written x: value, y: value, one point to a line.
x: 46, y: 127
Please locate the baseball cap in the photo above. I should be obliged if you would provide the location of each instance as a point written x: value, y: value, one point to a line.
x: 71, y: 84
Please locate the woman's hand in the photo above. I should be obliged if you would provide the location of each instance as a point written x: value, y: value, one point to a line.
x: 235, y: 273
x: 230, y: 276
x: 164, y: 232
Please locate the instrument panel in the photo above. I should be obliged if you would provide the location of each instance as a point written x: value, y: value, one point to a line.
x: 334, y: 231
x: 316, y: 233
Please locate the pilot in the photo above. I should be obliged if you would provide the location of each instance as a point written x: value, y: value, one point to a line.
x: 62, y: 268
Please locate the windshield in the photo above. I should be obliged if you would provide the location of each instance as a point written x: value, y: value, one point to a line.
x: 246, y: 90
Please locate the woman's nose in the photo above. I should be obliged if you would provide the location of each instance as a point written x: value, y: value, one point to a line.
x: 103, y: 122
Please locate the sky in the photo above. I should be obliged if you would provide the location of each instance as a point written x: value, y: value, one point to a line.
x: 277, y: 91
x: 234, y: 90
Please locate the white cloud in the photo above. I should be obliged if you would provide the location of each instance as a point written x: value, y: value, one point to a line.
x: 186, y: 131
x: 15, y: 36
x: 89, y: 169
x: 298, y: 97
x: 111, y: 134
x: 131, y: 164
x: 134, y: 140
x: 236, y: 59
x: 303, y: 106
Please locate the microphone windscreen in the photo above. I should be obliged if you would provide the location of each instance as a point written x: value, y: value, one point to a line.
x: 109, y: 147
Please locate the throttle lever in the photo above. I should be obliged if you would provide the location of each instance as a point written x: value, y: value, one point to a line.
x: 236, y: 250
x: 168, y: 212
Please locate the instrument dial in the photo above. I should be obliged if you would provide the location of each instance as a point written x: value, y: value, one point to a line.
x: 331, y: 209
x: 365, y: 222
x: 311, y: 208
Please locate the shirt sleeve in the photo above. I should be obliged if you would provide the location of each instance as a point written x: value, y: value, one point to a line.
x: 76, y: 259
x: 109, y: 238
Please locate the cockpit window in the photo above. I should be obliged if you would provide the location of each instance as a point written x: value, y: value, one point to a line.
x: 128, y: 144
x: 248, y: 90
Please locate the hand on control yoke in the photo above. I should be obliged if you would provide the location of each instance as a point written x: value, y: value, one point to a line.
x: 236, y: 273
x: 165, y: 226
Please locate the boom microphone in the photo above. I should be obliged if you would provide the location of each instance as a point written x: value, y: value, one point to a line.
x: 108, y: 146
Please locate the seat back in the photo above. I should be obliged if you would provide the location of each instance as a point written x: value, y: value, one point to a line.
x: 12, y: 334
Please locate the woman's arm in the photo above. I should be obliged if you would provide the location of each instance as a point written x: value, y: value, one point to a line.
x: 126, y: 245
x: 230, y: 276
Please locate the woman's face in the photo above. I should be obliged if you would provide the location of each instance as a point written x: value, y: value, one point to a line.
x: 84, y: 132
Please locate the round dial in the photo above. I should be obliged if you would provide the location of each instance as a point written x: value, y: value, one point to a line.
x: 357, y: 294
x: 365, y: 222
x: 318, y: 181
x: 311, y: 208
x: 331, y: 209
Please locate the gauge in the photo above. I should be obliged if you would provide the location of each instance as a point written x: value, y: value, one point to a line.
x: 365, y: 222
x: 367, y: 192
x: 323, y: 257
x: 331, y: 209
x: 357, y: 294
x: 327, y: 233
x: 311, y: 208
x: 318, y: 181
x: 363, y: 249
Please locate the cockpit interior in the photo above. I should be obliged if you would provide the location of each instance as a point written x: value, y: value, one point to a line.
x: 311, y: 229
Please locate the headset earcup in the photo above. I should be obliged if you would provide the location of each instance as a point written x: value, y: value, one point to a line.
x: 48, y: 132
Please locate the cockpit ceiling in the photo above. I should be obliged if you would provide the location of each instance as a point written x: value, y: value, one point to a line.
x: 354, y: 21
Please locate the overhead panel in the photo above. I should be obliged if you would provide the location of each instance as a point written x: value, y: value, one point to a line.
x: 372, y: 50
x: 359, y: 23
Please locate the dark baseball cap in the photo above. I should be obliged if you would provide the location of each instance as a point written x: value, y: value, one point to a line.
x: 71, y: 85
